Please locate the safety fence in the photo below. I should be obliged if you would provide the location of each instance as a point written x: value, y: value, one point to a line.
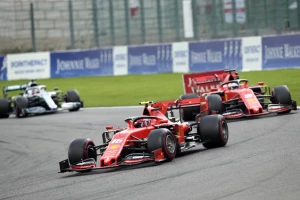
x: 243, y: 54
x: 49, y: 25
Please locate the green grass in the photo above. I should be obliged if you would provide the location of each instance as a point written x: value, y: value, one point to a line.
x: 129, y: 90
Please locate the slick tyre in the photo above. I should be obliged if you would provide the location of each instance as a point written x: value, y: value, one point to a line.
x: 189, y: 113
x: 281, y: 95
x: 214, y: 104
x: 165, y: 140
x: 73, y: 96
x: 20, y: 105
x: 4, y: 108
x: 81, y: 149
x: 213, y: 131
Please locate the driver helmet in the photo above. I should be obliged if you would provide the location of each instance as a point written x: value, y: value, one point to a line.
x: 35, y: 91
x: 142, y: 123
x: 233, y: 86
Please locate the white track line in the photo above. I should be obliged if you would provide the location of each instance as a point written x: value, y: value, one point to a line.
x: 123, y: 107
x: 116, y: 107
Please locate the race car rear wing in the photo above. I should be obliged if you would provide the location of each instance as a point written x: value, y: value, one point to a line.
x: 13, y: 88
x: 204, y: 82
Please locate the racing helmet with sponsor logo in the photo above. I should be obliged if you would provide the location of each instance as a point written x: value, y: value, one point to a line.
x: 142, y: 123
x: 233, y: 86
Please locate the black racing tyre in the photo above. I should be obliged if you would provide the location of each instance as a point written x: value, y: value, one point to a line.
x: 215, y: 104
x: 4, y: 108
x: 21, y: 103
x: 164, y: 139
x: 281, y: 95
x: 189, y: 113
x: 213, y: 131
x: 73, y: 96
x: 81, y: 149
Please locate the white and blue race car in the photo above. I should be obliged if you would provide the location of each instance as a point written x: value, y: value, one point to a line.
x: 35, y: 99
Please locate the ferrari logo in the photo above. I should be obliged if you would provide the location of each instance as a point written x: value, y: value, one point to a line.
x: 226, y: 97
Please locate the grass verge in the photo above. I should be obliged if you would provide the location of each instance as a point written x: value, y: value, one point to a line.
x: 131, y: 89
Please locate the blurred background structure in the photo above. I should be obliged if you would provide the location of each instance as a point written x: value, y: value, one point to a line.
x: 47, y: 25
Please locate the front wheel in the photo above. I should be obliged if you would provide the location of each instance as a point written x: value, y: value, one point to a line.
x: 4, y: 108
x: 281, y: 95
x: 165, y: 140
x: 81, y: 149
x: 213, y: 131
x: 73, y: 96
x: 20, y: 105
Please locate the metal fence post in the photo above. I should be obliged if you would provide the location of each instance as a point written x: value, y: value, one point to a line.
x: 255, y: 20
x: 195, y: 20
x: 71, y: 24
x: 222, y: 14
x: 278, y: 17
x: 266, y: 13
x: 177, y: 20
x: 112, y: 24
x: 298, y: 12
x: 160, y: 36
x: 95, y: 21
x: 214, y: 19
x: 234, y: 23
x: 127, y: 22
x: 143, y: 30
x: 287, y: 10
x: 32, y: 27
x: 248, y: 13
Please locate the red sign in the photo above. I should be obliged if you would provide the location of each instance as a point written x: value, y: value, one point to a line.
x: 202, y: 82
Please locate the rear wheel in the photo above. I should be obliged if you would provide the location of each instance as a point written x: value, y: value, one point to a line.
x: 189, y: 113
x: 162, y: 139
x: 281, y: 95
x: 73, y: 96
x: 81, y: 149
x: 21, y: 104
x: 4, y: 108
x: 213, y: 131
x: 215, y: 104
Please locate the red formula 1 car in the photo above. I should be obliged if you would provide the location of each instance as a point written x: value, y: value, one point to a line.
x: 150, y: 137
x: 235, y: 99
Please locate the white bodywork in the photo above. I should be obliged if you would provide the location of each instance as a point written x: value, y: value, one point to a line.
x: 41, y: 92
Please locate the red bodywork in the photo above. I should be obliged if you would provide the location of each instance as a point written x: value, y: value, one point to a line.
x: 243, y: 95
x: 216, y: 82
x: 203, y: 82
x: 119, y: 145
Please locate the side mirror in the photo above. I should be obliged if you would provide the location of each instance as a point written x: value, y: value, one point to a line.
x: 21, y: 93
x: 56, y: 88
x: 109, y: 127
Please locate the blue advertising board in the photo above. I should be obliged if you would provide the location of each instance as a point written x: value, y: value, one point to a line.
x: 82, y: 63
x: 3, y: 68
x: 281, y: 52
x: 215, y: 55
x: 150, y: 59
x: 232, y: 54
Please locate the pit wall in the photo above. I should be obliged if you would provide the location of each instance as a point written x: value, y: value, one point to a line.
x: 241, y: 54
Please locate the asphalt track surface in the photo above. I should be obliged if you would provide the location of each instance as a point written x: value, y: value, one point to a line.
x: 261, y: 161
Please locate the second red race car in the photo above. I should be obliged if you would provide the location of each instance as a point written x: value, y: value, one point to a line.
x: 236, y: 99
x: 149, y: 137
